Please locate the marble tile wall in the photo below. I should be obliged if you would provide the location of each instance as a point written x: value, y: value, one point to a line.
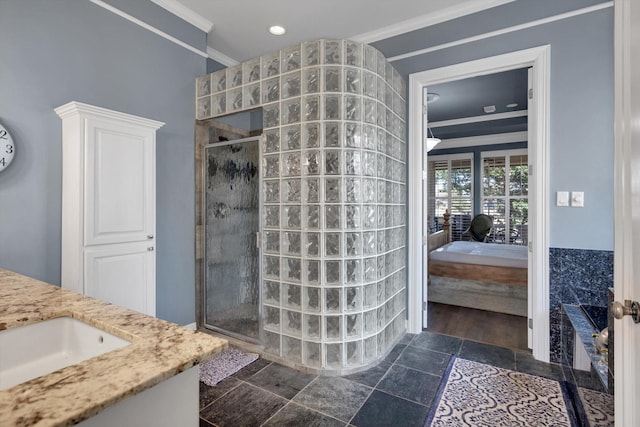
x: 576, y: 276
x: 333, y: 196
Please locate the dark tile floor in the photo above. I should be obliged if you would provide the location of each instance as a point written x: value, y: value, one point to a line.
x: 397, y: 392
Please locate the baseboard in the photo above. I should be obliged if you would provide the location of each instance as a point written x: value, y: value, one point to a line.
x: 191, y: 326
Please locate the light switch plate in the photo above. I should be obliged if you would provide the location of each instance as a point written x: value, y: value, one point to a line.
x: 562, y: 198
x: 577, y: 199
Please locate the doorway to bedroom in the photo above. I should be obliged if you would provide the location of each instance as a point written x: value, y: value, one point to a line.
x: 477, y: 208
x: 484, y: 164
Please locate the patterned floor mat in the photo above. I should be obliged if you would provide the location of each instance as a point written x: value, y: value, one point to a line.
x: 475, y: 394
x: 223, y: 365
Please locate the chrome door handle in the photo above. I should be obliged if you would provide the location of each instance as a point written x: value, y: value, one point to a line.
x: 150, y: 248
x: 630, y: 308
x: 150, y: 236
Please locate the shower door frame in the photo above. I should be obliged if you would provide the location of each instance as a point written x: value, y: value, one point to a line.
x: 203, y: 289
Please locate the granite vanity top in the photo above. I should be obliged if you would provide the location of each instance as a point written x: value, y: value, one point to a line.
x: 158, y: 351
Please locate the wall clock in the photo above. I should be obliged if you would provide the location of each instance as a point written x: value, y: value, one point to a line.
x: 7, y: 148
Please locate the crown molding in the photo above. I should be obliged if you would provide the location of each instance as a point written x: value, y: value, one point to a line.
x: 478, y: 119
x: 220, y: 57
x: 531, y: 24
x: 146, y: 26
x: 475, y: 141
x: 181, y: 11
x: 76, y: 108
x: 427, y: 20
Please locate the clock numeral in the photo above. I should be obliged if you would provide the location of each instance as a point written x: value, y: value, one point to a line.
x: 9, y: 149
x: 3, y: 134
x: 2, y: 162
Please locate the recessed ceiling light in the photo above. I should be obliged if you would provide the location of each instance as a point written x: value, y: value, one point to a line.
x: 277, y: 30
x: 489, y: 109
x: 512, y: 105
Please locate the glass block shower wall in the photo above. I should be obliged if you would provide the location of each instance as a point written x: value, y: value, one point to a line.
x: 333, y: 195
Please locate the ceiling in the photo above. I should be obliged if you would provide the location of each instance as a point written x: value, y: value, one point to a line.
x: 238, y: 31
x: 466, y: 98
x: 240, y: 27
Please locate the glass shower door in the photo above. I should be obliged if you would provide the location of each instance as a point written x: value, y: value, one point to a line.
x: 232, y: 221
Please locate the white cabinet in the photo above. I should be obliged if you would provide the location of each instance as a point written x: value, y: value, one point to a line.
x: 108, y: 205
x: 114, y: 273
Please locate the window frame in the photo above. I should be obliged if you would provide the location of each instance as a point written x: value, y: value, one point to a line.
x: 470, y: 156
x: 507, y: 197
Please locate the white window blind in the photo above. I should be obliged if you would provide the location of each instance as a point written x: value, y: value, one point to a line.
x: 505, y: 195
x: 450, y: 186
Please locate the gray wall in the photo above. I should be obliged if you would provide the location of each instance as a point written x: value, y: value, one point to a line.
x: 581, y: 144
x: 58, y: 51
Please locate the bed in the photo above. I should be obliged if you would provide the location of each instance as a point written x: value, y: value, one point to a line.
x: 484, y: 276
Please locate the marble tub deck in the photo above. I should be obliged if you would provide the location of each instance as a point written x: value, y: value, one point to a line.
x: 158, y: 351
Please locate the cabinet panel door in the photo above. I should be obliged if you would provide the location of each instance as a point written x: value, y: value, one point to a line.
x: 120, y: 183
x: 122, y: 274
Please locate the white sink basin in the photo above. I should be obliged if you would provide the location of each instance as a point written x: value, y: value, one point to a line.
x: 30, y: 351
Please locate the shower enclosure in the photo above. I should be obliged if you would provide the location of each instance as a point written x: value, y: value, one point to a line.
x: 232, y: 223
x: 330, y: 170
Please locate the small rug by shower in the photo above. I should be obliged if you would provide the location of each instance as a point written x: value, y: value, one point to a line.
x: 223, y: 365
x: 475, y: 394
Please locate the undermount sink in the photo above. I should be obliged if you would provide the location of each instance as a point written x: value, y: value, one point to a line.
x: 27, y: 352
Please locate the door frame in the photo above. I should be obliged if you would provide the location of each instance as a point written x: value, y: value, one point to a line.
x: 538, y: 149
x: 627, y: 133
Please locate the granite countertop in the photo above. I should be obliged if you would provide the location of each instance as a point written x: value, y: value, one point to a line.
x: 158, y: 351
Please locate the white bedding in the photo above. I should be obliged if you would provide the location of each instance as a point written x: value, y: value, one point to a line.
x: 482, y: 253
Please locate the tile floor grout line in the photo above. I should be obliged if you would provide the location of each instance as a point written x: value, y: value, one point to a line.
x: 274, y: 414
x: 329, y: 415
x: 324, y: 413
x: 222, y: 395
x: 355, y: 414
x: 310, y: 409
x: 401, y: 397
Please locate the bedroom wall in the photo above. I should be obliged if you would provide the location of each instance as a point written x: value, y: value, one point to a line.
x: 68, y: 50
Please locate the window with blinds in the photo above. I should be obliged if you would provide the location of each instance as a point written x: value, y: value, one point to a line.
x: 504, y: 195
x: 450, y: 186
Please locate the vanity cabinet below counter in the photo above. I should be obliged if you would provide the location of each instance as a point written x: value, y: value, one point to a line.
x: 150, y: 378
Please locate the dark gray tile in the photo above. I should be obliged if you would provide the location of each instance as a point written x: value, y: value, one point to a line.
x: 431, y: 362
x: 337, y: 397
x: 529, y: 365
x: 209, y: 394
x: 382, y: 409
x: 437, y: 342
x: 395, y: 352
x: 410, y: 384
x: 245, y: 405
x: 281, y: 380
x: 407, y: 338
x: 251, y: 369
x: 371, y: 376
x: 204, y: 423
x: 488, y: 354
x: 294, y: 415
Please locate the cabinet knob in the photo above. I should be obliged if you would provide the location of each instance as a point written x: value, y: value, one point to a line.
x: 150, y: 248
x: 150, y: 236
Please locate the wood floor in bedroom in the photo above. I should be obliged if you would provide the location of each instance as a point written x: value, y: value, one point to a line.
x: 503, y: 330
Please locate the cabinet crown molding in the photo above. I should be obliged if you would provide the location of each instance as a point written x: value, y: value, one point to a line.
x: 77, y: 108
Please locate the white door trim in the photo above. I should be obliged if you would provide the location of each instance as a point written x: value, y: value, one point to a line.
x: 627, y: 134
x: 537, y: 57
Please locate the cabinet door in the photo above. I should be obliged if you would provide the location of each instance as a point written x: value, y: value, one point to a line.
x: 120, y: 182
x: 122, y: 274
